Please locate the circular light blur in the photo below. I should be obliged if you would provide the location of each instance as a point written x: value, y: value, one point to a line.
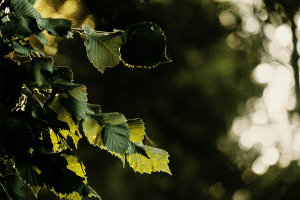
x: 227, y: 19
x: 263, y: 73
x: 270, y: 156
x: 259, y: 167
x: 251, y: 25
x: 283, y: 35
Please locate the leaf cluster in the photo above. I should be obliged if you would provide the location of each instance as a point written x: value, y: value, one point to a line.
x: 41, y: 105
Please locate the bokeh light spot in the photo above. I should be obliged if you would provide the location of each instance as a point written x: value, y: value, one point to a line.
x: 259, y: 167
x: 251, y: 25
x: 263, y: 73
x: 242, y: 194
x: 283, y: 35
x: 270, y: 156
x: 227, y: 19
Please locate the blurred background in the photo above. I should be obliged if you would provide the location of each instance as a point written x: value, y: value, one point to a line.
x: 225, y: 108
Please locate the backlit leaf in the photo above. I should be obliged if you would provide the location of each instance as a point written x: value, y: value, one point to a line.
x: 158, y: 159
x: 137, y: 130
x: 145, y: 46
x: 103, y: 48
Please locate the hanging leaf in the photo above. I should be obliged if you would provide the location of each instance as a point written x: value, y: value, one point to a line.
x: 158, y: 159
x: 103, y: 48
x: 57, y: 27
x: 145, y: 46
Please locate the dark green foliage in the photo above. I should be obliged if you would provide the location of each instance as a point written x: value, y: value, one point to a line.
x: 41, y: 106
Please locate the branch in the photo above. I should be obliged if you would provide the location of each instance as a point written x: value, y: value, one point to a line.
x: 294, y: 63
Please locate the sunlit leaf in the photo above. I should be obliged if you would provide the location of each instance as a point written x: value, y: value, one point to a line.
x: 64, y: 115
x: 103, y: 48
x: 137, y: 130
x: 59, y: 173
x: 158, y: 159
x: 145, y: 46
x: 108, y: 131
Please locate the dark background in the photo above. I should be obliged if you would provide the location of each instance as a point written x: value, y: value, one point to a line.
x: 187, y: 105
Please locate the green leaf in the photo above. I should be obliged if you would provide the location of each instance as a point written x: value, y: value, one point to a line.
x: 24, y: 8
x: 158, y: 159
x: 41, y: 70
x: 22, y: 50
x: 63, y: 72
x: 108, y: 131
x: 103, y: 48
x: 145, y: 46
x: 115, y: 137
x: 27, y: 171
x: 57, y: 27
x: 41, y: 37
x: 14, y: 187
x: 19, y: 26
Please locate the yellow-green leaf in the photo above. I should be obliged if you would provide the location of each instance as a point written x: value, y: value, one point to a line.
x: 137, y: 130
x: 158, y: 161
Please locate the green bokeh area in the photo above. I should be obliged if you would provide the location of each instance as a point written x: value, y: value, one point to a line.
x: 187, y: 105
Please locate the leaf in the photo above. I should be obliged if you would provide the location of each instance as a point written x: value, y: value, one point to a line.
x: 41, y: 37
x: 108, y: 131
x: 63, y: 72
x: 158, y: 159
x: 22, y: 50
x: 103, y: 48
x: 137, y: 130
x: 41, y: 70
x: 115, y: 137
x: 14, y: 187
x: 62, y: 172
x: 27, y: 170
x: 24, y: 8
x: 64, y: 115
x: 19, y: 26
x: 57, y: 27
x: 145, y: 46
